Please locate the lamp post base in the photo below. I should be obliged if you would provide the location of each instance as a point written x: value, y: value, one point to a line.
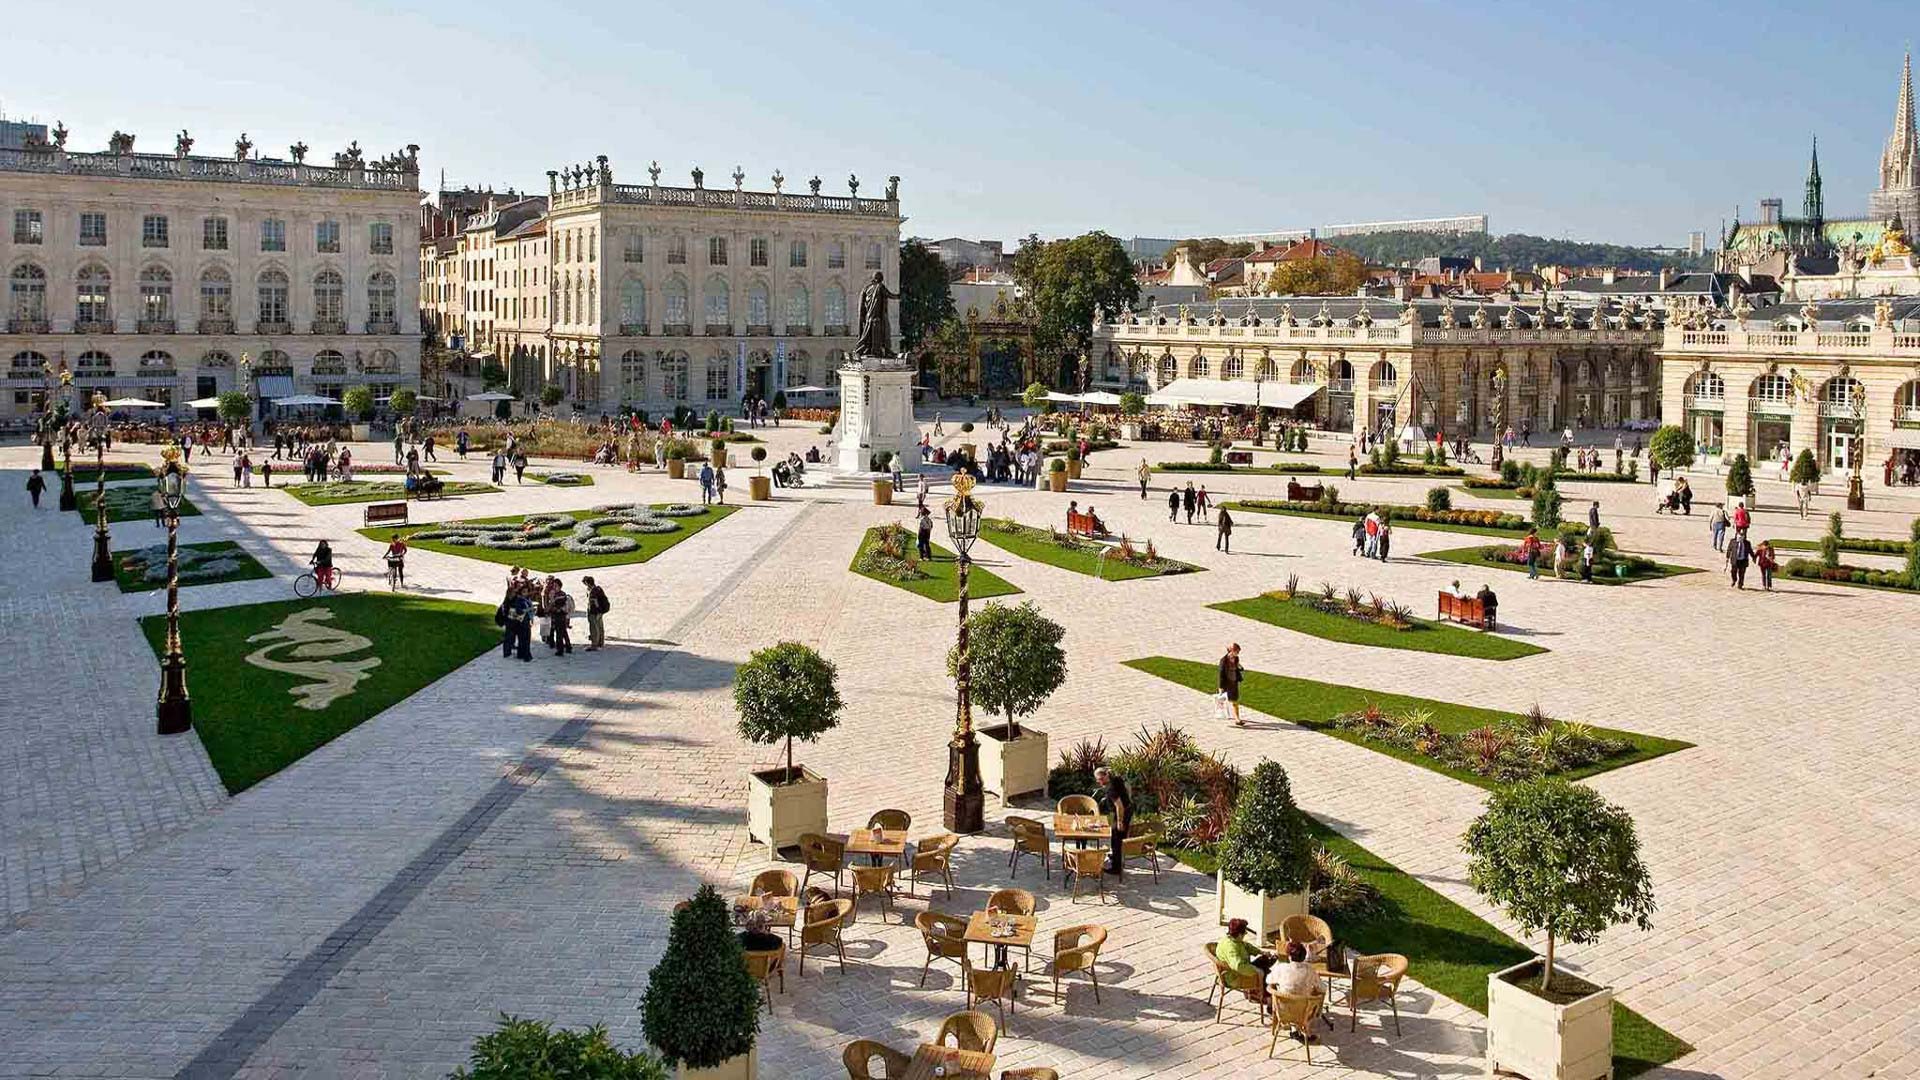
x: 102, y: 557
x: 966, y: 798
x: 66, y: 492
x: 1856, y: 493
x: 46, y: 457
x: 175, y: 712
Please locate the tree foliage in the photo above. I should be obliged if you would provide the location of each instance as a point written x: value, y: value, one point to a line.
x: 1340, y: 275
x: 926, y: 300
x: 1546, y: 503
x: 1913, y: 555
x: 1266, y: 848
x: 1671, y: 447
x: 1514, y: 251
x: 520, y: 1049
x: 1559, y: 860
x: 1067, y: 279
x: 404, y: 402
x: 1805, y: 469
x: 1035, y: 395
x: 1830, y: 541
x: 1739, y: 477
x: 1014, y: 660
x: 1133, y: 403
x: 1205, y: 250
x: 357, y: 402
x: 551, y: 395
x: 492, y: 375
x: 701, y: 1007
x: 235, y: 407
x: 786, y: 692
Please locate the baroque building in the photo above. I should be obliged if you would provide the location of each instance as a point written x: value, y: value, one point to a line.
x: 174, y: 277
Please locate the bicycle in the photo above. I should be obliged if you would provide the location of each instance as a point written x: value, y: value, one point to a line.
x: 314, y: 580
x: 396, y: 574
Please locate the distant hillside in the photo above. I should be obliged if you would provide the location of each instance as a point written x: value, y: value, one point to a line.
x: 1515, y: 251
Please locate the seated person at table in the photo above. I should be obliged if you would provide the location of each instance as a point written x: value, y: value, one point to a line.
x: 813, y: 454
x: 1099, y: 527
x: 1296, y: 977
x: 1489, y: 602
x: 1242, y: 958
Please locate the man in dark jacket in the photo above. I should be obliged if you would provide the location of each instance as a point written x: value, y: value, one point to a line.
x: 1119, y: 804
x: 1224, y: 541
x: 597, y: 608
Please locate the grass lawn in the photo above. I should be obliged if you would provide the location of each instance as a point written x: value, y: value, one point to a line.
x: 200, y: 564
x: 336, y: 492
x: 1399, y: 521
x: 580, y: 479
x: 1471, y: 556
x: 1314, y: 705
x: 1085, y: 557
x: 126, y: 504
x: 244, y: 706
x: 116, y: 470
x: 1278, y: 469
x: 555, y: 560
x: 1494, y: 493
x: 1423, y: 636
x: 942, y: 581
x: 1858, y: 545
x: 1451, y: 951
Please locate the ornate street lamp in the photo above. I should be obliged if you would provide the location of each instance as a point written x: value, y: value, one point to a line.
x: 47, y: 428
x: 102, y: 543
x: 175, y: 712
x: 965, y: 797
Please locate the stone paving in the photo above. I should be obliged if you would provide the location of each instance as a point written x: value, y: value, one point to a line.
x: 511, y: 838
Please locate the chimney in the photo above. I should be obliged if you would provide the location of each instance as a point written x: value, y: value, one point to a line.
x: 1666, y: 277
x: 1606, y: 276
x: 1746, y: 273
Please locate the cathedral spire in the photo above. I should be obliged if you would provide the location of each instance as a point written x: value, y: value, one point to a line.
x: 1899, y: 191
x: 1814, y: 209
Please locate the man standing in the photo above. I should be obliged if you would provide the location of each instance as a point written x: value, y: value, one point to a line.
x: 1224, y: 540
x: 1119, y: 804
x: 925, y: 533
x: 1739, y: 552
x: 706, y: 482
x: 1189, y: 501
x: 399, y: 447
x: 597, y: 608
x: 1145, y: 474
x: 1173, y: 504
x: 35, y: 485
x: 1530, y: 549
x: 1593, y: 516
x: 1230, y: 676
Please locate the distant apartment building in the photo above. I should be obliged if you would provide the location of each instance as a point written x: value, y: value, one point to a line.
x: 958, y: 253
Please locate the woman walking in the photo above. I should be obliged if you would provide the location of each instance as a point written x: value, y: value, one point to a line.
x: 1230, y: 675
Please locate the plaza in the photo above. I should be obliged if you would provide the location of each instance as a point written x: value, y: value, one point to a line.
x: 513, y: 837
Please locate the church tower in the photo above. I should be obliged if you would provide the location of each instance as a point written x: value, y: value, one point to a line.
x: 1814, y: 209
x: 1899, y: 191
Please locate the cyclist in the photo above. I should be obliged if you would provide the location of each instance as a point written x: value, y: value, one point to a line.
x: 322, y: 563
x: 397, y: 562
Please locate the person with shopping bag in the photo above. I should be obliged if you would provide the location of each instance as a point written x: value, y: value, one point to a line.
x: 1229, y: 695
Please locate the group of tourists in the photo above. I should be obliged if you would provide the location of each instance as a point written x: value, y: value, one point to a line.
x: 1737, y: 549
x: 1373, y: 536
x: 550, y: 604
x: 1568, y: 553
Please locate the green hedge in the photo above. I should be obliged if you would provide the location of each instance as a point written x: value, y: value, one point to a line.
x: 1370, y: 469
x: 1811, y: 570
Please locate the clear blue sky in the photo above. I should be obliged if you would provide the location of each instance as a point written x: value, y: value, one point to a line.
x: 1628, y: 122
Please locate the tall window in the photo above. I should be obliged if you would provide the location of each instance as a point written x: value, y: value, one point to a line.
x: 1773, y: 390
x: 156, y: 361
x: 216, y: 294
x: 633, y: 303
x: 213, y: 234
x: 273, y: 235
x: 718, y: 371
x: 326, y: 237
x: 836, y: 313
x: 797, y: 253
x: 759, y: 305
x: 716, y: 251
x: 873, y: 256
x: 329, y: 298
x: 1233, y: 368
x: 633, y: 375
x: 719, y: 306
x: 634, y: 249
x: 28, y: 228
x: 757, y: 252
x: 273, y: 296
x: 27, y: 292
x: 380, y: 238
x: 329, y: 362
x: 673, y: 377
x: 156, y: 294
x: 799, y: 308
x: 153, y: 231
x: 798, y: 363
x: 836, y: 255
x: 593, y: 245
x: 676, y: 249
x: 93, y: 230
x: 676, y: 298
x: 92, y: 292
x: 382, y: 298
x: 1709, y: 386
x: 566, y: 299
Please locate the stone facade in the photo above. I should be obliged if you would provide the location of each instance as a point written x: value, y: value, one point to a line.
x: 155, y: 276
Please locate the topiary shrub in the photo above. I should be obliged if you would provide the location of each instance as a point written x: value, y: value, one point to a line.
x: 1830, y: 542
x: 1805, y: 469
x: 1913, y: 556
x: 1439, y: 498
x: 528, y: 1048
x: 1133, y: 403
x: 357, y: 402
x: 1671, y: 447
x: 1546, y: 502
x: 1216, y: 456
x: 701, y: 1008
x: 1560, y: 861
x: 1739, y: 477
x: 786, y: 692
x: 403, y: 402
x: 1014, y: 660
x: 1509, y: 471
x: 1266, y: 848
x: 713, y: 421
x: 1035, y: 395
x: 1058, y: 465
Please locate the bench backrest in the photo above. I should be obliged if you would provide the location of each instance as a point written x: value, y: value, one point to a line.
x: 381, y: 511
x: 1298, y: 493
x: 1461, y: 607
x: 1079, y: 523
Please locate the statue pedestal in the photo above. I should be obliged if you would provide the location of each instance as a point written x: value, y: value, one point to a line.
x: 876, y: 415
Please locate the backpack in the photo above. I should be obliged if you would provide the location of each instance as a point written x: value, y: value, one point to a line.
x: 597, y: 601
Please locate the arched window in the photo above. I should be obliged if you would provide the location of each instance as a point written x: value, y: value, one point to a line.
x: 1301, y: 373
x: 273, y: 360
x: 329, y: 362
x: 633, y: 376
x: 675, y: 296
x: 1707, y: 386
x: 329, y: 297
x: 1233, y: 368
x: 156, y: 362
x: 1169, y: 370
x: 1198, y: 368
x: 633, y: 308
x: 836, y: 307
x: 383, y: 303
x: 28, y: 365
x: 799, y: 308
x: 873, y: 256
x: 799, y: 365
x: 216, y: 359
x: 1772, y: 390
x: 92, y: 295
x: 94, y: 362
x: 1906, y: 403
x: 216, y: 294
x: 719, y: 372
x: 27, y: 293
x: 1844, y: 394
x: 719, y: 302
x: 673, y: 375
x: 1383, y: 376
x: 759, y: 305
x: 1268, y: 369
x: 1340, y: 375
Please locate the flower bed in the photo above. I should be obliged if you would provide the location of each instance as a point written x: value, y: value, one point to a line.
x: 334, y: 492
x: 887, y: 554
x: 1811, y: 570
x: 1368, y: 468
x: 562, y: 479
x: 607, y: 535
x: 126, y: 504
x: 1111, y: 562
x: 890, y: 557
x: 1349, y: 617
x: 1855, y: 544
x: 1401, y: 515
x: 1521, y: 748
x: 1293, y: 468
x: 1502, y: 557
x: 1061, y: 446
x: 812, y: 416
x: 143, y: 569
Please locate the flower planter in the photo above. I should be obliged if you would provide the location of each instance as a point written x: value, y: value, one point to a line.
x: 1264, y: 912
x: 676, y: 469
x: 1543, y: 1040
x: 719, y: 458
x: 883, y: 493
x: 1012, y: 768
x: 1056, y: 481
x: 361, y: 432
x: 778, y: 813
x: 972, y: 451
x: 744, y: 1067
x: 1073, y: 469
x: 760, y: 488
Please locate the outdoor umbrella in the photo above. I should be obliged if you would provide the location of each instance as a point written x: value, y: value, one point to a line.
x: 204, y: 403
x: 806, y: 389
x: 134, y: 403
x: 491, y: 395
x: 305, y: 399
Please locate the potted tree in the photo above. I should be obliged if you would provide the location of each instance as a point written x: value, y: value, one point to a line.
x: 1015, y: 663
x: 1073, y: 461
x: 717, y: 452
x: 1740, y: 479
x: 701, y: 1009
x: 1057, y: 474
x: 403, y: 402
x: 235, y: 408
x: 1133, y: 405
x: 1266, y: 857
x: 1805, y: 469
x: 1671, y: 448
x: 676, y: 459
x: 521, y: 1048
x: 785, y: 692
x: 357, y: 403
x: 758, y: 486
x: 972, y: 451
x: 882, y: 482
x: 1562, y: 861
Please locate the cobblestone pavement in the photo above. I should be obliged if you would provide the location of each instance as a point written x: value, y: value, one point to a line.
x: 511, y: 838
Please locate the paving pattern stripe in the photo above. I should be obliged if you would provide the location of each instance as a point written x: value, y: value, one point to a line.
x: 229, y: 1051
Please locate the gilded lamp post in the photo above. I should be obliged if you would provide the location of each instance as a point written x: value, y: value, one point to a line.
x: 174, y: 712
x: 102, y: 543
x: 965, y: 801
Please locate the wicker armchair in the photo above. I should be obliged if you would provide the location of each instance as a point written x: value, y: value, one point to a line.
x: 1029, y: 838
x: 890, y: 819
x: 1078, y: 804
x: 823, y: 925
x: 765, y: 967
x: 823, y: 855
x: 945, y: 938
x: 1375, y: 978
x: 1077, y: 948
x: 1011, y: 901
x: 1144, y: 844
x: 995, y: 985
x: 778, y: 883
x: 872, y: 881
x: 1225, y: 981
x: 1309, y: 930
x: 1040, y: 1072
x: 969, y: 1031
x: 934, y: 858
x: 859, y: 1054
x: 1086, y: 863
x: 1295, y: 1012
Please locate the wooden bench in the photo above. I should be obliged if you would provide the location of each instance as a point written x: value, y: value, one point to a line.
x: 1080, y: 524
x: 428, y: 486
x: 1464, y: 609
x: 1298, y: 493
x: 1239, y: 457
x: 388, y: 513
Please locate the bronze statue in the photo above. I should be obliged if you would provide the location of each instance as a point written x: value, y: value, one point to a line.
x: 874, y: 338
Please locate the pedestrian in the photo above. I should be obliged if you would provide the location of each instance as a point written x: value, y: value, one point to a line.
x: 1120, y: 805
x: 1173, y: 504
x: 1767, y: 561
x: 519, y: 466
x: 1586, y: 560
x: 1530, y: 550
x: 266, y: 473
x: 1385, y: 538
x: 1205, y: 504
x: 1739, y: 553
x: 1562, y: 552
x: 1593, y: 516
x: 1373, y: 534
x: 1353, y: 462
x: 1146, y: 473
x: 720, y: 485
x: 1717, y: 525
x: 246, y: 469
x: 924, y: 532
x: 516, y: 626
x: 561, y: 616
x: 460, y: 443
x: 399, y: 445
x: 1803, y: 495
x: 1230, y: 675
x: 35, y: 485
x: 1189, y: 499
x: 597, y: 607
x: 1224, y: 541
x: 236, y: 471
x: 159, y: 504
x: 428, y: 447
x: 1742, y: 517
x: 1686, y: 496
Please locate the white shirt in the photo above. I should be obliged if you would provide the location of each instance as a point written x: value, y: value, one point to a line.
x: 1295, y: 979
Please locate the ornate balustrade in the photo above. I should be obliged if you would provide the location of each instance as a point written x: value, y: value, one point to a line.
x: 207, y: 169
x: 1808, y: 342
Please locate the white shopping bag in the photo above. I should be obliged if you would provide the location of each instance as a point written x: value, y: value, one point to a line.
x: 1221, y: 711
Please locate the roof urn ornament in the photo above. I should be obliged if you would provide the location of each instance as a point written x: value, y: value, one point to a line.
x: 739, y: 177
x: 1479, y: 317
x: 602, y: 174
x: 299, y: 152
x: 1882, y: 314
x: 699, y: 177
x: 1511, y: 320
x: 853, y: 185
x: 893, y: 189
x: 814, y: 184
x: 182, y: 143
x: 121, y: 143
x: 778, y: 181
x: 1448, y: 320
x: 60, y: 134
x: 653, y: 171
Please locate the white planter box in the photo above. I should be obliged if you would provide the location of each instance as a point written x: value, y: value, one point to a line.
x: 361, y: 432
x: 1012, y: 768
x: 1264, y: 912
x: 1538, y: 1039
x: 778, y: 813
x: 744, y: 1067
